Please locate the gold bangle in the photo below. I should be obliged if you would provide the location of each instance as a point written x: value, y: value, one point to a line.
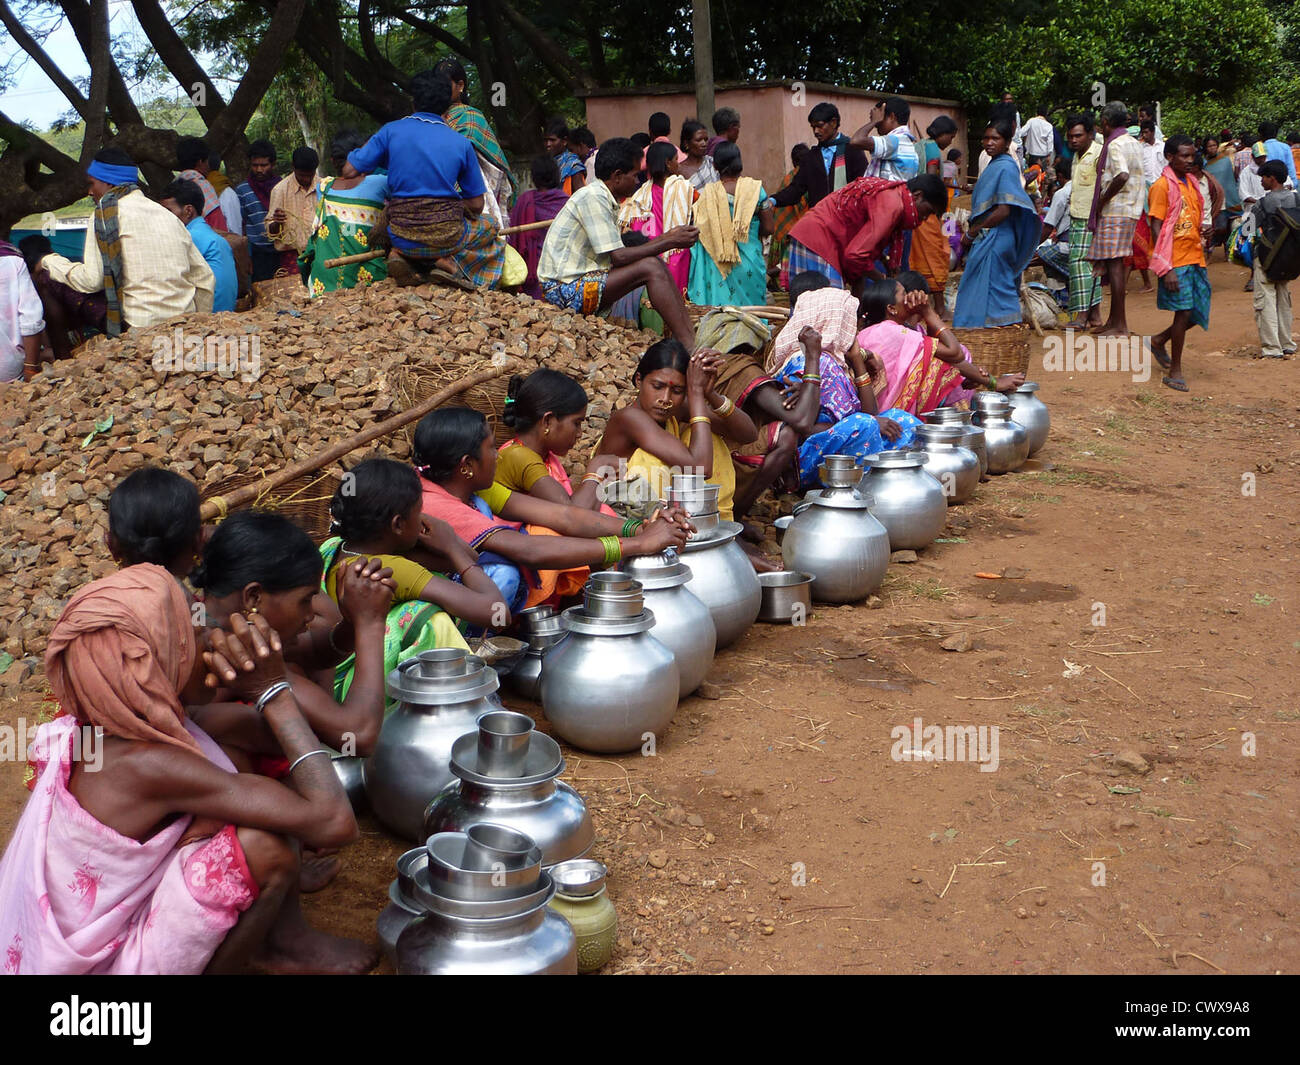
x: 701, y: 418
x: 863, y: 379
x: 726, y: 409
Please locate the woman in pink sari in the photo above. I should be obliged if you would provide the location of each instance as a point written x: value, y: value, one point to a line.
x: 925, y: 368
x: 546, y: 410
x: 141, y: 849
x: 662, y: 203
x: 539, y: 204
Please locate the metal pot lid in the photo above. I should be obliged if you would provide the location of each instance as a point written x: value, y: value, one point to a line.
x: 407, y: 865
x: 398, y: 898
x: 897, y: 460
x: 579, y: 621
x: 544, y: 762
x: 838, y: 499
x: 942, y: 434
x: 441, y: 677
x: 656, y: 572
x: 496, y: 910
x: 723, y: 534
x: 1028, y: 386
x: 579, y: 878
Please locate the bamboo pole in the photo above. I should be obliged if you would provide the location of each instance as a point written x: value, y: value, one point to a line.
x: 366, y: 256
x: 220, y: 506
x: 510, y: 230
x: 360, y: 257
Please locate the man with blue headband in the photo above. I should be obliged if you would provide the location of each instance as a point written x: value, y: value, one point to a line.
x: 137, y: 251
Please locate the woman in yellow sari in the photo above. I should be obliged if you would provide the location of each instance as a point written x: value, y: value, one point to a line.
x: 679, y: 421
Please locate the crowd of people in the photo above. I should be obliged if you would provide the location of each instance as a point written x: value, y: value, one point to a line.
x: 220, y: 663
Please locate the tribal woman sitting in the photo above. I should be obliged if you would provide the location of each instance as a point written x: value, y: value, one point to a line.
x: 142, y: 848
x: 850, y: 421
x: 535, y: 551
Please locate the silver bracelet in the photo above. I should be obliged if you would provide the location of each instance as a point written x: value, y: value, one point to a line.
x: 270, y: 693
x: 302, y: 758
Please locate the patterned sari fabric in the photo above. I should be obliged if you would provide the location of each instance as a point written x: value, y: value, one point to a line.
x: 472, y: 124
x: 854, y: 432
x: 989, y: 293
x: 655, y: 209
x: 425, y: 228
x: 411, y: 627
x: 916, y: 379
x: 785, y: 218
x: 344, y: 219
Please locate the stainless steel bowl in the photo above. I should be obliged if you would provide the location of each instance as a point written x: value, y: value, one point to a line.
x: 507, y: 875
x: 787, y: 596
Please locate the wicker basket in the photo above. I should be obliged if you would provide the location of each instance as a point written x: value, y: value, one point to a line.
x: 415, y: 384
x: 305, y: 500
x: 281, y: 287
x: 1004, y: 349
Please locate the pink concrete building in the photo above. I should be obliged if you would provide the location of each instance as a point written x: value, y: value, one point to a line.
x: 773, y: 116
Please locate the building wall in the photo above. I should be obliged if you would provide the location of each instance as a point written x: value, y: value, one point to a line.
x: 773, y: 117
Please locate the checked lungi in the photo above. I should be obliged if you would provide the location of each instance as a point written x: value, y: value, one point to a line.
x: 1085, y: 287
x: 803, y: 258
x: 1113, y: 239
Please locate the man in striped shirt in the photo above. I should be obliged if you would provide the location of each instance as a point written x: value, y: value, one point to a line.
x: 254, y: 202
x: 888, y: 143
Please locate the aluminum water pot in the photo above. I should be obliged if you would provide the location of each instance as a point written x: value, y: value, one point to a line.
x: 1007, y: 441
x: 527, y: 797
x: 609, y: 682
x: 402, y: 906
x: 464, y: 931
x: 723, y: 579
x: 683, y: 623
x: 909, y: 503
x: 1032, y: 413
x: 972, y: 435
x: 440, y: 695
x: 955, y: 466
x: 834, y: 538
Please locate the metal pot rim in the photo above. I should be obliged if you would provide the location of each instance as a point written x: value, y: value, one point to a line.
x: 723, y: 534
x: 545, y: 761
x: 582, y: 623
x: 897, y: 460
x: 486, y: 914
x: 579, y: 878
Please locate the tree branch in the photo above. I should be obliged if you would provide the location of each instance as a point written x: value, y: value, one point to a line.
x: 178, y: 59
x: 366, y: 30
x: 551, y: 55
x: 101, y: 60
x: 435, y: 31
x: 120, y: 104
x: 28, y: 44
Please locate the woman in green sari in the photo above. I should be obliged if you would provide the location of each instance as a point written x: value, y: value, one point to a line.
x: 346, y: 211
x: 472, y: 124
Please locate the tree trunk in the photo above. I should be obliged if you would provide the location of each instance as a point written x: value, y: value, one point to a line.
x: 101, y: 59
x: 702, y: 33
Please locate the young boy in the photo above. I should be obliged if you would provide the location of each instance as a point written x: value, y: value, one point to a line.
x: 573, y: 173
x: 1273, y: 298
x: 585, y: 266
x: 1179, y: 258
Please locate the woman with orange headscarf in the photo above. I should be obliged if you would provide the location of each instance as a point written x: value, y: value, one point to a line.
x: 141, y: 849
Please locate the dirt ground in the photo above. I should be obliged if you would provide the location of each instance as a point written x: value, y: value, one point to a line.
x: 773, y: 832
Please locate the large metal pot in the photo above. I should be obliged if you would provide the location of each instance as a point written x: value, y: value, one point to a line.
x: 723, y: 579
x: 909, y: 503
x: 972, y: 437
x: 608, y: 683
x: 512, y: 931
x: 526, y: 797
x: 440, y: 695
x: 1007, y: 441
x: 957, y: 468
x: 835, y: 540
x: 683, y: 624
x: 1032, y: 413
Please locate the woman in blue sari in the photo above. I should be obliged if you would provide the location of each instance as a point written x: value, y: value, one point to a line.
x: 1000, y: 240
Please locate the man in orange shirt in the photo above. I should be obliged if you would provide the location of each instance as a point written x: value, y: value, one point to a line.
x: 1175, y: 209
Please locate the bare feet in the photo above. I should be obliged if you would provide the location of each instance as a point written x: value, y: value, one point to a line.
x: 317, y: 871
x: 751, y: 532
x: 295, y: 948
x: 1113, y: 331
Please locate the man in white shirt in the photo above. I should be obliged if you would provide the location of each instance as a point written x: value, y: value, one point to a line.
x: 1036, y: 138
x: 155, y: 270
x: 1153, y: 151
x: 22, y: 318
x: 890, y: 147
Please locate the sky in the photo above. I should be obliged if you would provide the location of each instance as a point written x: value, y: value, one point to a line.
x: 30, y: 95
